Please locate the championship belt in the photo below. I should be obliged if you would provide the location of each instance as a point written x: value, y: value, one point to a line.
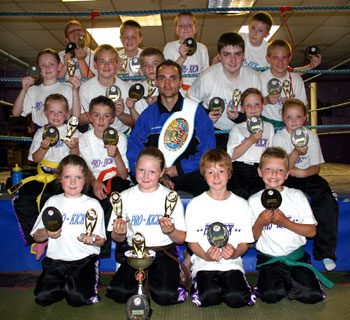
x: 299, y: 137
x: 134, y: 65
x: 81, y: 41
x: 34, y: 72
x: 177, y: 132
x: 311, y: 52
x: 255, y: 124
x: 52, y: 134
x: 274, y: 86
x: 216, y: 104
x: 192, y: 46
x: 271, y: 199
x: 136, y: 91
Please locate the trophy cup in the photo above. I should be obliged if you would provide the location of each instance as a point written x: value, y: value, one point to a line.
x: 236, y: 100
x: 90, y: 223
x: 286, y: 88
x: 110, y: 136
x: 151, y: 89
x: 136, y: 91
x: 71, y: 67
x: 52, y: 219
x: 274, y: 86
x: 52, y: 133
x: 170, y: 204
x: 255, y: 124
x: 81, y: 41
x: 311, y: 52
x: 135, y: 65
x: 217, y: 234
x: 300, y: 137
x: 139, y: 258
x: 271, y: 199
x: 34, y: 72
x: 71, y: 46
x: 216, y: 104
x: 113, y: 93
x: 71, y: 127
x: 124, y: 63
x: 192, y: 46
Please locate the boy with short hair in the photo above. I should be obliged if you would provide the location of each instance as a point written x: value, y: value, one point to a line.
x: 221, y: 80
x: 108, y: 163
x: 106, y: 62
x: 281, y: 236
x: 131, y: 37
x: 304, y: 175
x: 218, y: 273
x: 279, y: 56
x: 150, y: 58
x: 186, y: 27
x: 245, y: 148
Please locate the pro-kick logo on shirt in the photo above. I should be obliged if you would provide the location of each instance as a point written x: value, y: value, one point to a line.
x: 193, y: 68
x: 101, y: 163
x: 230, y: 228
x: 151, y: 220
x: 76, y: 218
x: 261, y: 143
x: 38, y: 105
x: 269, y: 226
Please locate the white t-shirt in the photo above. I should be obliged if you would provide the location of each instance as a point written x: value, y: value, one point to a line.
x: 240, y: 133
x: 254, y: 57
x: 55, y: 153
x: 89, y: 59
x: 196, y: 63
x: 314, y: 154
x: 35, y: 98
x: 93, y: 88
x: 234, y: 212
x: 274, y: 111
x: 95, y: 154
x: 128, y: 69
x: 276, y: 240
x: 67, y: 247
x: 213, y: 83
x: 143, y: 210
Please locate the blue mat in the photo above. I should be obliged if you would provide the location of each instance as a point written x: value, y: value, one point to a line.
x: 15, y: 257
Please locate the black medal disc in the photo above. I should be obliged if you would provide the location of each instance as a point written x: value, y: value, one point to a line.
x: 274, y: 86
x: 135, y: 64
x: 52, y: 219
x: 217, y: 234
x: 255, y: 124
x: 71, y: 46
x: 81, y: 41
x: 137, y: 307
x: 113, y: 93
x: 217, y: 104
x: 311, y: 52
x: 34, y: 72
x: 110, y: 136
x: 271, y: 199
x: 299, y: 137
x: 52, y: 133
x: 192, y: 45
x: 136, y: 91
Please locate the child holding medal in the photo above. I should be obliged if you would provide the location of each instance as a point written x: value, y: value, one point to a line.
x: 143, y: 209
x: 217, y: 273
x: 70, y: 269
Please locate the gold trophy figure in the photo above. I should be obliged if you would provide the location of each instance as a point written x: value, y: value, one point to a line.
x: 117, y: 205
x: 134, y: 65
x: 151, y: 89
x: 72, y: 125
x: 236, y: 100
x: 123, y: 64
x: 71, y: 67
x: 170, y: 204
x: 286, y: 88
x: 90, y: 223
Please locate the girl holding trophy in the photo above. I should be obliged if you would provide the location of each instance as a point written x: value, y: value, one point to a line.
x: 73, y: 224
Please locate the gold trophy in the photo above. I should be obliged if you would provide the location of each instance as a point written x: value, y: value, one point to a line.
x: 236, y: 100
x: 124, y: 63
x: 286, y: 88
x: 72, y: 125
x: 71, y: 67
x: 117, y: 205
x: 170, y: 204
x: 139, y: 258
x: 151, y: 89
x: 90, y: 223
x: 81, y: 41
x: 135, y: 65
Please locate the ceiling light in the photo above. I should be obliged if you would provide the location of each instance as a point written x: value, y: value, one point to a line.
x: 273, y: 30
x: 106, y: 36
x: 231, y: 4
x: 144, y: 21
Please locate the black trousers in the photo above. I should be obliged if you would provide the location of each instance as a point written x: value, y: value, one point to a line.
x: 245, y: 180
x: 277, y: 280
x: 326, y: 211
x: 163, y: 281
x: 74, y: 280
x: 211, y: 288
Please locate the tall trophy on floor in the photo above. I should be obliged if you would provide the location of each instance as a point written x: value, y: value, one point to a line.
x: 139, y: 258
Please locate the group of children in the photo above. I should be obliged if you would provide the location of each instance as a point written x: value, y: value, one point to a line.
x: 233, y: 177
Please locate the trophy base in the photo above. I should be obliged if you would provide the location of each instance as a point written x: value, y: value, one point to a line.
x: 138, y: 308
x: 82, y: 234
